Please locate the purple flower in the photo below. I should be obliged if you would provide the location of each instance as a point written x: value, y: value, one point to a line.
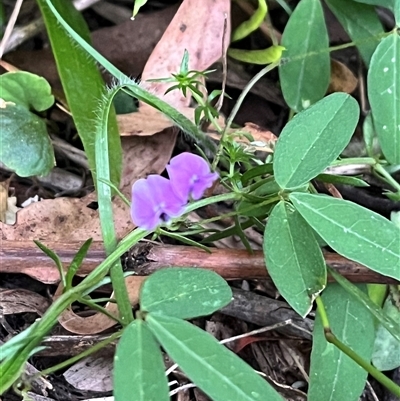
x: 154, y: 202
x: 190, y: 175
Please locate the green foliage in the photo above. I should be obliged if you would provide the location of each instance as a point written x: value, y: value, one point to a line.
x: 393, y: 5
x: 27, y: 90
x: 276, y: 195
x: 342, y: 179
x: 217, y: 371
x: 253, y: 23
x: 313, y: 139
x: 333, y: 375
x: 262, y: 57
x: 25, y: 145
x: 82, y: 82
x: 139, y: 367
x: 294, y: 258
x: 184, y: 293
x: 360, y: 22
x: 384, y: 95
x: 386, y: 355
x: 305, y: 71
x: 353, y: 231
x: 383, y: 318
x: 137, y: 6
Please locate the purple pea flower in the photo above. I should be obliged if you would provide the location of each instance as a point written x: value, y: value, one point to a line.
x: 154, y: 202
x: 190, y: 175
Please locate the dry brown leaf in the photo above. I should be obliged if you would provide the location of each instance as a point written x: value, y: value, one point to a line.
x: 197, y: 27
x: 56, y: 219
x: 144, y: 122
x: 342, y: 79
x: 8, y: 208
x: 93, y: 373
x: 148, y: 121
x: 99, y: 322
x: 70, y: 219
x: 22, y: 301
x: 264, y: 140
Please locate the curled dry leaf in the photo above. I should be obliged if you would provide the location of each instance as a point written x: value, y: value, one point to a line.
x: 264, y: 140
x: 197, y: 27
x: 342, y: 79
x: 8, y: 208
x: 22, y: 301
x: 99, y: 322
x: 93, y: 373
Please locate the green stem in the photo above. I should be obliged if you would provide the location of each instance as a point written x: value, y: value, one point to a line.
x: 203, y: 104
x: 213, y: 199
x: 379, y: 376
x: 331, y: 338
x: 121, y: 293
x: 370, y: 161
x: 237, y: 106
x: 322, y: 313
x: 387, y: 177
x: 11, y: 368
x: 83, y: 354
x: 93, y: 305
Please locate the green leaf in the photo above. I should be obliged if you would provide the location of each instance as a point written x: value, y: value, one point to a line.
x: 386, y: 355
x: 26, y: 89
x: 384, y: 95
x: 265, y: 56
x: 10, y: 349
x: 333, y: 375
x: 369, y: 135
x: 25, y: 145
x: 265, y: 191
x: 55, y: 258
x: 375, y: 310
x: 184, y: 292
x: 305, y: 72
x: 391, y: 4
x: 293, y: 257
x: 76, y: 263
x: 137, y: 6
x: 82, y: 82
x: 361, y: 22
x: 313, y: 139
x: 139, y: 367
x: 353, y: 231
x: 252, y: 24
x: 217, y: 371
x: 342, y: 179
x: 256, y: 171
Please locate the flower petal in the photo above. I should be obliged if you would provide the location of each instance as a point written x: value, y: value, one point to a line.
x: 190, y: 175
x: 154, y: 202
x: 142, y: 209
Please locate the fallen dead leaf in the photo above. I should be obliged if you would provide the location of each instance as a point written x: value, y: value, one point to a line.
x: 22, y: 301
x: 99, y: 322
x: 8, y: 208
x: 93, y: 373
x: 263, y: 140
x: 197, y: 27
x: 342, y: 79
